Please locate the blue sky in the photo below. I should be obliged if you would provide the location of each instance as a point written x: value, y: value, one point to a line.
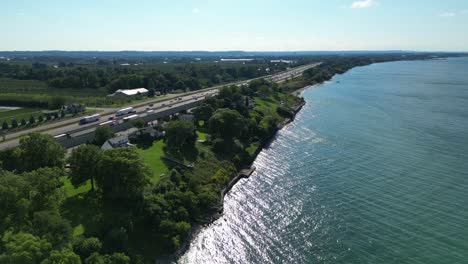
x: 253, y: 25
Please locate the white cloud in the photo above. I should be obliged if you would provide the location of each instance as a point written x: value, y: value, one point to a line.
x: 464, y: 12
x: 362, y: 4
x: 447, y: 14
x: 196, y: 10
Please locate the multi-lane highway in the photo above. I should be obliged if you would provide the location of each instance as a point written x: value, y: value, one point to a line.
x: 71, y: 126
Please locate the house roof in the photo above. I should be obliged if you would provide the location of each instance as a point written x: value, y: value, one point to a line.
x: 120, y: 141
x: 132, y: 91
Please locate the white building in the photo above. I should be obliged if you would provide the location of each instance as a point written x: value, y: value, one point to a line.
x: 130, y: 92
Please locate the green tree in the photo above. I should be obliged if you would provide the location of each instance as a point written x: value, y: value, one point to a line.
x: 95, y: 258
x: 41, y: 119
x: 32, y: 120
x: 203, y: 113
x: 122, y: 174
x: 14, y: 203
x: 151, y: 92
x: 63, y: 256
x: 226, y: 124
x: 151, y: 84
x: 50, y: 225
x: 102, y: 134
x: 264, y: 90
x: 40, y: 150
x: 180, y: 134
x: 56, y: 102
x: 24, y: 248
x: 87, y: 247
x: 5, y: 125
x: 118, y: 258
x: 84, y: 162
x: 14, y: 123
x: 23, y: 122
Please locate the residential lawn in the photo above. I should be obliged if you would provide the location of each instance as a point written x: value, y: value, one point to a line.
x: 201, y: 135
x: 73, y: 196
x: 152, y: 157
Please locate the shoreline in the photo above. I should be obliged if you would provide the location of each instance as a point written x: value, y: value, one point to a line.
x: 197, y: 228
x: 242, y: 174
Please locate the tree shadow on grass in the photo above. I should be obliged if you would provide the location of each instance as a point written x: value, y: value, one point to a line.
x: 85, y: 209
x: 184, y: 155
x: 144, y: 142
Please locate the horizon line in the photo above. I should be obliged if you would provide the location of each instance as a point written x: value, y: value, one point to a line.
x: 252, y: 51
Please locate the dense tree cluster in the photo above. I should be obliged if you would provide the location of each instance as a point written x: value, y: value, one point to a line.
x: 114, y: 77
x: 33, y: 228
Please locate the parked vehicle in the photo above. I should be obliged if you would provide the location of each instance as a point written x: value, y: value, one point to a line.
x: 89, y: 119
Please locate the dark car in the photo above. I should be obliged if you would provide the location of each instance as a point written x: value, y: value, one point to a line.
x: 150, y: 104
x: 110, y: 118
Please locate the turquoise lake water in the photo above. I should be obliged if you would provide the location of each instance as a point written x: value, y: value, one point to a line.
x: 373, y: 170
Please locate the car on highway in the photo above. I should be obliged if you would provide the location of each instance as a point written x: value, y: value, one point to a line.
x: 150, y: 104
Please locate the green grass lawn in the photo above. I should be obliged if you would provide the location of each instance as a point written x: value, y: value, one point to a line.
x: 152, y: 157
x: 201, y: 135
x: 70, y: 190
x: 267, y: 106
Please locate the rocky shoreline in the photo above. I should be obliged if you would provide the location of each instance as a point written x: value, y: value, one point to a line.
x: 244, y: 173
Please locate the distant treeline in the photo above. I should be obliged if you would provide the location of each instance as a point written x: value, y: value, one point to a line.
x: 105, y: 73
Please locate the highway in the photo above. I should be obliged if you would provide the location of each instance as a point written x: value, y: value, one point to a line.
x: 71, y: 126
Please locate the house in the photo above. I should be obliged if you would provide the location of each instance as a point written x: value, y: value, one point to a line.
x: 116, y: 142
x: 187, y: 117
x: 149, y: 131
x: 130, y: 92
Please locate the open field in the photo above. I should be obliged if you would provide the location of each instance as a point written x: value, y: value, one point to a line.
x: 36, y: 93
x: 6, y: 115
